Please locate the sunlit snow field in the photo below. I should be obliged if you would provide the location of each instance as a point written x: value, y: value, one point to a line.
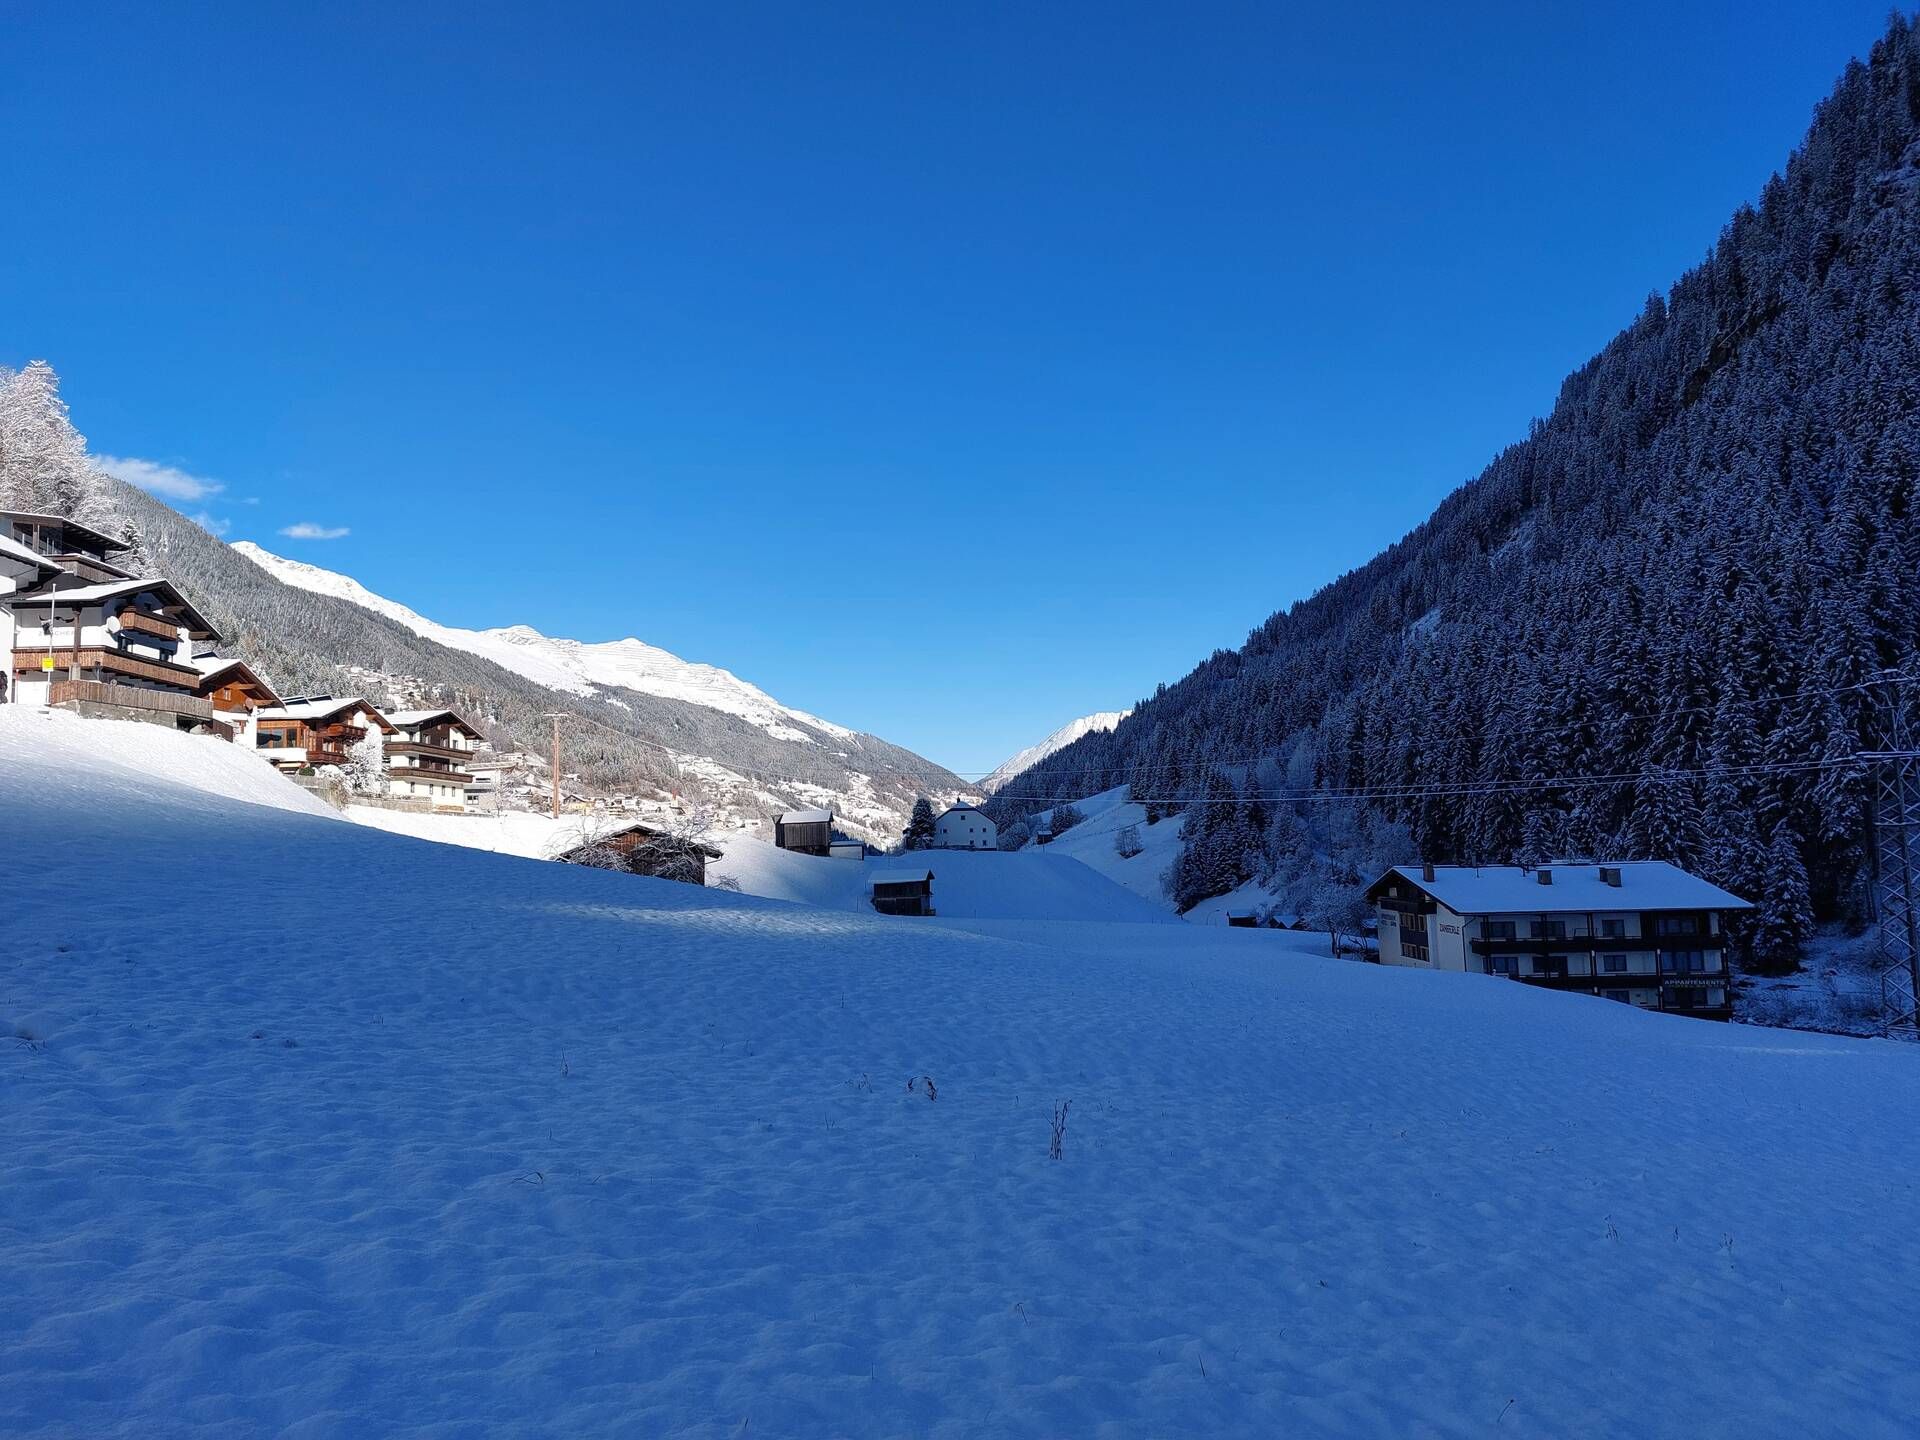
x: 316, y: 1130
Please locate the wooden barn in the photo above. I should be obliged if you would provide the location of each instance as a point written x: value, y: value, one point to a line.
x: 647, y: 850
x: 806, y: 832
x: 903, y: 892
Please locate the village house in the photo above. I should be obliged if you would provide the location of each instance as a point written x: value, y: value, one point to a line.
x: 116, y: 648
x: 1644, y: 932
x: 426, y: 755
x: 806, y: 832
x: 646, y: 850
x: 234, y: 689
x: 76, y: 549
x: 902, y: 892
x: 21, y: 570
x: 312, y: 733
x: 963, y: 827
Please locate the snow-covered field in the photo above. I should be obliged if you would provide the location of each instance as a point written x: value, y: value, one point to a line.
x: 320, y: 1131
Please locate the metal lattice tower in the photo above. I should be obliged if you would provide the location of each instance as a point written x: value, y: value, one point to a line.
x: 1896, y: 837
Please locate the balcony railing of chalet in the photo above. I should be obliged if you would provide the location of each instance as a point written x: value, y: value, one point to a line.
x: 130, y: 697
x: 429, y: 748
x: 159, y: 671
x: 421, y: 772
x: 149, y: 624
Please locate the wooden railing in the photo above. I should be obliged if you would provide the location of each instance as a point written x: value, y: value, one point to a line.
x: 149, y: 624
x: 28, y: 661
x: 131, y: 697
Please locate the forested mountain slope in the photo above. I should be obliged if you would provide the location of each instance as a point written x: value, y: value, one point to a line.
x: 307, y: 642
x: 1680, y: 574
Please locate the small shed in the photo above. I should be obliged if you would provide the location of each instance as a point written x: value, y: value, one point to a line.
x: 647, y: 850
x: 842, y: 849
x: 903, y: 892
x: 807, y: 832
x: 1243, y: 919
x: 1044, y: 835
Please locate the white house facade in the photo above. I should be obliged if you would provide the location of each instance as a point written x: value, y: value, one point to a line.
x: 121, y: 645
x: 1644, y: 932
x: 965, y: 828
x: 21, y: 570
x: 427, y: 757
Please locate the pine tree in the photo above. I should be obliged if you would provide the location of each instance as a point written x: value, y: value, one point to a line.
x: 919, y: 832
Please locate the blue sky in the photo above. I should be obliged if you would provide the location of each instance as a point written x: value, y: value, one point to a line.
x: 947, y: 371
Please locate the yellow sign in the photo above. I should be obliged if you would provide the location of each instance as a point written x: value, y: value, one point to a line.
x: 46, y: 662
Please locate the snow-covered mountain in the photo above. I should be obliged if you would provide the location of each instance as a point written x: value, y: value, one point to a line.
x: 1058, y: 740
x: 573, y: 666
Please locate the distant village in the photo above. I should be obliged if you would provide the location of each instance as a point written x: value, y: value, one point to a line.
x: 88, y: 636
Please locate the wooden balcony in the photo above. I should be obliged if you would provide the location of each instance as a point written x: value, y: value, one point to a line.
x: 132, y: 697
x: 149, y: 624
x: 426, y: 749
x: 420, y: 773
x: 161, y: 672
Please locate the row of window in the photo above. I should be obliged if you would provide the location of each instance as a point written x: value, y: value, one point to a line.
x: 1612, y: 927
x: 1554, y: 967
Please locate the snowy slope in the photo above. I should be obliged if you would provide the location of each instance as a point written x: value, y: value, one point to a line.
x: 1091, y: 842
x: 575, y: 1153
x: 986, y: 885
x: 96, y: 758
x: 572, y: 666
x: 1059, y: 740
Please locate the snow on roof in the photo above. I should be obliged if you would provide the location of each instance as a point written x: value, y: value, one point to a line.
x: 807, y: 817
x: 317, y: 709
x: 14, y: 550
x: 112, y: 589
x: 957, y: 807
x: 1505, y: 889
x: 900, y: 877
x: 408, y: 719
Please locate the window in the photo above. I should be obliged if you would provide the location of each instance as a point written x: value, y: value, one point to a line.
x: 1676, y: 925
x: 1683, y: 962
x: 1549, y: 929
x: 1413, y: 938
x: 1681, y: 999
x: 1614, y: 964
x: 1500, y: 964
x: 1499, y: 929
x: 1550, y: 967
x: 1623, y: 996
x: 1613, y: 929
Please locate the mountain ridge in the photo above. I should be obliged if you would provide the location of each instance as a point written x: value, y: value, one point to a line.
x: 1022, y: 760
x: 304, y: 640
x: 1650, y: 629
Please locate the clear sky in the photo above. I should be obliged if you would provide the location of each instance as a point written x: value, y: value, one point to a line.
x: 948, y: 371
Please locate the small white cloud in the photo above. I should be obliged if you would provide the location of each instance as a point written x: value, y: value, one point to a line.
x: 212, y: 524
x: 307, y: 530
x: 167, y: 481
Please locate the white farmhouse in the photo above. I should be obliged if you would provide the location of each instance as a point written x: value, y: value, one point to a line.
x: 116, y: 648
x: 427, y: 755
x: 965, y: 828
x: 1643, y: 932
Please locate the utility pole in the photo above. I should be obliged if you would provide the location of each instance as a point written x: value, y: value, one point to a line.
x: 1896, y: 848
x: 556, y: 716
